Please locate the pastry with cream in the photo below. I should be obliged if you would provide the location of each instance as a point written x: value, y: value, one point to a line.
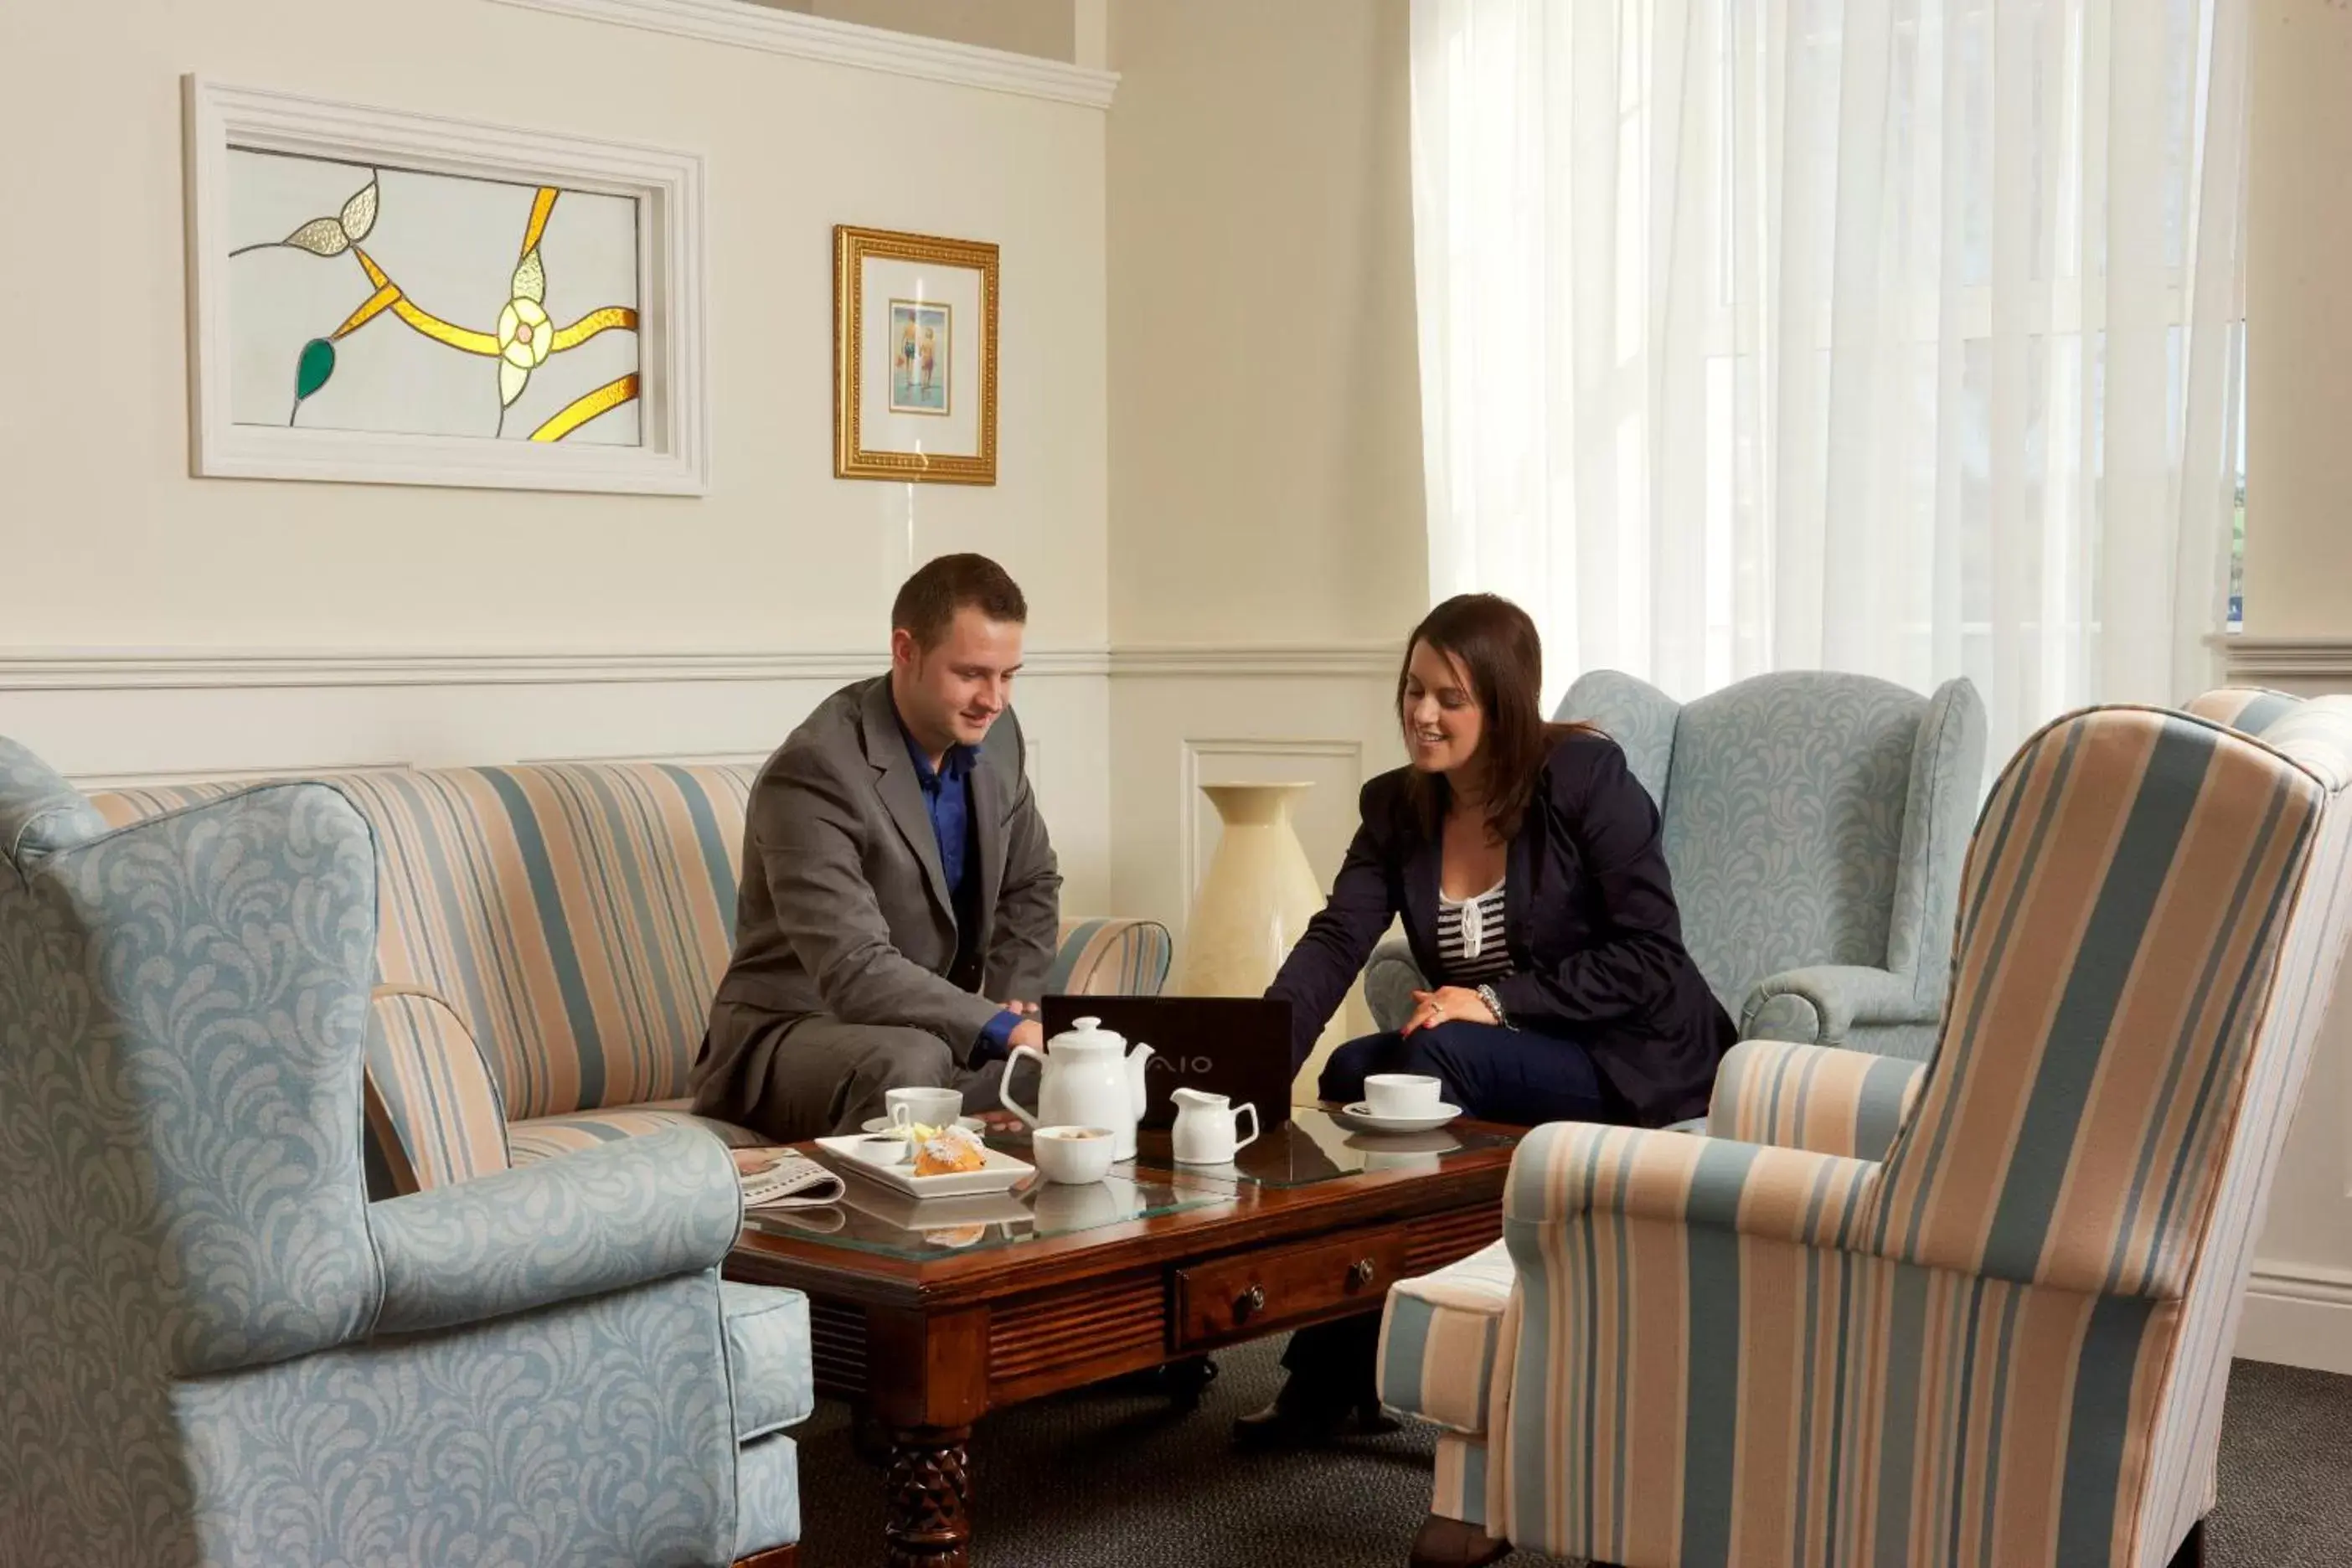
x: 942, y: 1151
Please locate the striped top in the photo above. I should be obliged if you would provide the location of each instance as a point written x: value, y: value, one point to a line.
x: 1470, y: 946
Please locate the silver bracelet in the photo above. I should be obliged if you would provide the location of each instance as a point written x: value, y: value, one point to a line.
x: 1493, y: 1006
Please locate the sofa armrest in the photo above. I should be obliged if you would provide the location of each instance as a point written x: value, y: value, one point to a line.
x: 1390, y: 980
x: 1820, y: 1004
x: 433, y: 1113
x: 627, y: 1212
x: 1831, y: 1101
x: 1116, y: 956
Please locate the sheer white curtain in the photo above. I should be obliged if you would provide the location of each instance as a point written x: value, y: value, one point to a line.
x: 1896, y: 336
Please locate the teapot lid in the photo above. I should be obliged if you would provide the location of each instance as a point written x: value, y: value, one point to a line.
x: 1088, y: 1032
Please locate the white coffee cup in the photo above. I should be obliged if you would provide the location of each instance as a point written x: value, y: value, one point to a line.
x: 923, y: 1107
x: 1402, y: 1094
x: 1073, y: 1156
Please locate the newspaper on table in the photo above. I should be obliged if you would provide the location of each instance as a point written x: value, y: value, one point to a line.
x: 778, y: 1178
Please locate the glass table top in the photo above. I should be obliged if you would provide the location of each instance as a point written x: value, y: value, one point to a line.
x: 1315, y: 1145
x: 871, y: 1218
x: 1319, y: 1146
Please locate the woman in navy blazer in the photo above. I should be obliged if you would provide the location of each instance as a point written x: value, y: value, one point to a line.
x: 1575, y: 1001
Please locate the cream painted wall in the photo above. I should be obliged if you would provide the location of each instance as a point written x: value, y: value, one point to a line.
x: 111, y: 545
x: 1046, y: 28
x: 1265, y: 420
x: 2299, y: 322
x: 134, y: 551
x: 2299, y: 586
x: 1264, y: 425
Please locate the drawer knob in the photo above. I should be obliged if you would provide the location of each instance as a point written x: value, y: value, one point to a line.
x: 1249, y: 1301
x: 1361, y: 1275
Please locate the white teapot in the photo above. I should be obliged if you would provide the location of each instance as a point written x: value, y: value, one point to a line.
x: 1087, y: 1078
x: 1208, y: 1127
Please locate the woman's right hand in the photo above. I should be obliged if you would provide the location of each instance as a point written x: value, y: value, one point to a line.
x: 1447, y: 1004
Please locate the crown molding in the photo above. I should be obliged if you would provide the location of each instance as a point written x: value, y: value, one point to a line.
x: 744, y: 25
x: 1345, y: 660
x: 116, y: 669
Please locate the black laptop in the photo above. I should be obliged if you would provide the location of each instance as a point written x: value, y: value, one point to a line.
x: 1234, y: 1046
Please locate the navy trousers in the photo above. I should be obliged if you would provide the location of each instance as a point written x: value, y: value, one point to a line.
x: 1512, y: 1075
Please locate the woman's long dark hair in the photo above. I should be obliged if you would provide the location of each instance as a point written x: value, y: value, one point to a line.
x: 1498, y: 646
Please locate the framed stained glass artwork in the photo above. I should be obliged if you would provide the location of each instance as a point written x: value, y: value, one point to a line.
x: 914, y: 357
x: 394, y: 298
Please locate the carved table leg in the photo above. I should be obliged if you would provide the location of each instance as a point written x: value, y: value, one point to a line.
x: 929, y: 1523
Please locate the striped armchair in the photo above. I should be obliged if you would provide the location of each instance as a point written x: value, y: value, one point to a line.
x: 1974, y: 1312
x: 549, y: 940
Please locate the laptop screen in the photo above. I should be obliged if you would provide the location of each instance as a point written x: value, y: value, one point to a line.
x: 1234, y: 1045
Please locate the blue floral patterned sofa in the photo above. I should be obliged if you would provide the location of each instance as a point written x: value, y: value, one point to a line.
x: 216, y: 1350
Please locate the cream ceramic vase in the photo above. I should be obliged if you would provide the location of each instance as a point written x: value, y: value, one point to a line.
x: 1254, y: 902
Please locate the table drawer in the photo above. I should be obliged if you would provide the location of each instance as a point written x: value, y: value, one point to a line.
x: 1255, y: 1293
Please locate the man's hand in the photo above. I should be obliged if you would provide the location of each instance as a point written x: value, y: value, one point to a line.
x: 1447, y: 1004
x: 1029, y: 1032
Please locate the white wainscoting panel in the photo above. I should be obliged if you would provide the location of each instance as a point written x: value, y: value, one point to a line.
x: 1181, y: 718
x: 1324, y: 816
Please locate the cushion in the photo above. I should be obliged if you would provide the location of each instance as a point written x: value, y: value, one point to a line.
x: 1438, y: 1341
x: 769, y: 1357
x: 545, y: 1137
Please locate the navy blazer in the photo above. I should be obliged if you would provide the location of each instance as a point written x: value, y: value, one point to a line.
x: 1589, y: 914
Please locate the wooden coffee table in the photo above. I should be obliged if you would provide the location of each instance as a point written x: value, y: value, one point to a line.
x: 931, y: 1317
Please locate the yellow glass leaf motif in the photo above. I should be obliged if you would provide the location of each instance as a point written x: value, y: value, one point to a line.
x: 320, y: 236
x: 531, y: 278
x: 359, y: 214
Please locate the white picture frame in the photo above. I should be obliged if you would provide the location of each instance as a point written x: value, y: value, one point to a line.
x: 672, y: 456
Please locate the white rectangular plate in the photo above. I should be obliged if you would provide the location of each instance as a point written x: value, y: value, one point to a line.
x: 1001, y: 1172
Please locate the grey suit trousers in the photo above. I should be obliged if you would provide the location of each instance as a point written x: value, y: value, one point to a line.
x: 827, y: 1078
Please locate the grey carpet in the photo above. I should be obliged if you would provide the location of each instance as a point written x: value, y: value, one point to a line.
x: 1109, y: 1478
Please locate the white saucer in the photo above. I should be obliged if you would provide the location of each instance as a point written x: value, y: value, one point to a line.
x: 882, y: 1124
x: 1360, y: 1114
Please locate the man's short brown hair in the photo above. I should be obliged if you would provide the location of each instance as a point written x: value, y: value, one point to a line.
x: 927, y: 601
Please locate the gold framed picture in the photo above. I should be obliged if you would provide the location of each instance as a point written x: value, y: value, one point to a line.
x: 914, y: 357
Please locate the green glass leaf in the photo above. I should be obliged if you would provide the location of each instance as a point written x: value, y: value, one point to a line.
x: 318, y: 362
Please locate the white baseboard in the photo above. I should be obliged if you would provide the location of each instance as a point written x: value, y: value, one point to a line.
x: 2298, y: 1315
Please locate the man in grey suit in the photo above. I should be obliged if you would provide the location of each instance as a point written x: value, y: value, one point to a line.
x: 900, y: 903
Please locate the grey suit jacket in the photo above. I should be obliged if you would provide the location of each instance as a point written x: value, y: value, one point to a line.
x: 845, y: 909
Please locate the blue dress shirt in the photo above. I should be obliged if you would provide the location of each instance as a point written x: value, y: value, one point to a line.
x: 947, y: 796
